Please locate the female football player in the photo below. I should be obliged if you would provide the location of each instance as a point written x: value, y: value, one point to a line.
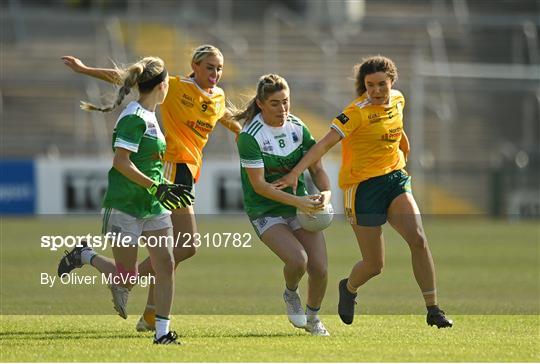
x: 375, y: 185
x: 272, y: 141
x: 190, y: 112
x: 138, y: 198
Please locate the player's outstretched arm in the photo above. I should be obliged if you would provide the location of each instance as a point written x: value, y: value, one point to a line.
x: 230, y: 123
x: 315, y: 153
x: 321, y: 181
x: 106, y: 74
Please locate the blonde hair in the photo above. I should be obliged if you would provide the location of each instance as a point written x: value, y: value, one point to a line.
x: 268, y: 84
x: 202, y: 52
x: 371, y: 65
x: 141, y: 71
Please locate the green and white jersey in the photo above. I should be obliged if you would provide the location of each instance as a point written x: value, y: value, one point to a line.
x: 137, y: 130
x: 277, y: 150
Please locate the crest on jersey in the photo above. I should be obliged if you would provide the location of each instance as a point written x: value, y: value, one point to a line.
x: 267, y: 146
x: 294, y: 137
x: 151, y: 129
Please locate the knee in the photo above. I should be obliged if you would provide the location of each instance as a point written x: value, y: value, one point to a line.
x: 318, y: 272
x: 298, y: 262
x: 184, y: 253
x: 375, y: 268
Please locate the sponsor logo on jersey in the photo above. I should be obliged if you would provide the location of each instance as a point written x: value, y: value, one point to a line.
x: 280, y: 136
x: 201, y: 128
x: 393, y: 135
x: 343, y: 118
x: 187, y: 100
x: 374, y: 118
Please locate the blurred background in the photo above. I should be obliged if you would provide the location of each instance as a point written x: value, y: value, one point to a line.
x: 469, y: 70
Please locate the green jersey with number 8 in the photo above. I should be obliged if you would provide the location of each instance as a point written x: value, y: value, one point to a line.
x: 277, y: 150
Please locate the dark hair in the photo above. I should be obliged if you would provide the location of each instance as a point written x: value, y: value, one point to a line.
x: 371, y: 65
x: 267, y: 85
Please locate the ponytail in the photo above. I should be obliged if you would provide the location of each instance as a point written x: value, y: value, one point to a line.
x: 141, y: 71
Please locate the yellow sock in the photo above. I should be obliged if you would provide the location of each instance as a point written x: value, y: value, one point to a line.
x: 149, y: 315
x: 430, y: 297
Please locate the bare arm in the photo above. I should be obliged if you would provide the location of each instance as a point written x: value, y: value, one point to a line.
x: 125, y: 166
x: 404, y: 145
x: 307, y: 204
x: 313, y: 155
x: 321, y: 180
x: 231, y: 124
x: 106, y: 74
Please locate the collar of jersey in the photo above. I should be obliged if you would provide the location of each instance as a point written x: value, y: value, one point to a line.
x: 200, y: 89
x: 260, y: 118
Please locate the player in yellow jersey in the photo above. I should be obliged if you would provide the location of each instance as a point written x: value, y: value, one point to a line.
x: 193, y: 106
x: 375, y: 185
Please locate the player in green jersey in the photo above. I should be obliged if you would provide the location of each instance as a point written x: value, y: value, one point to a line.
x: 272, y: 141
x: 138, y: 198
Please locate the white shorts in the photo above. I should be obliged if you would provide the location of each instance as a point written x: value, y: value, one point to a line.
x: 266, y: 222
x: 119, y: 222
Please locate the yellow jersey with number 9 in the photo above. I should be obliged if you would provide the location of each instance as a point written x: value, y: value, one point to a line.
x: 370, y: 138
x: 189, y: 114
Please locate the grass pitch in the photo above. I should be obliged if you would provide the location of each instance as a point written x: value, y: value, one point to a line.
x: 270, y: 338
x: 228, y: 304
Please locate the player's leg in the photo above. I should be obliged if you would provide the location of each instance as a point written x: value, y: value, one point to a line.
x: 317, y: 269
x: 366, y: 215
x: 125, y: 258
x: 162, y: 260
x: 84, y: 254
x: 370, y: 240
x: 184, y: 226
x: 404, y: 216
x: 371, y: 243
x: 280, y: 239
x: 278, y: 236
x: 129, y: 228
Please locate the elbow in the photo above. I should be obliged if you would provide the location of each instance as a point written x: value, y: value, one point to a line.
x: 118, y: 163
x: 259, y: 189
x: 262, y: 189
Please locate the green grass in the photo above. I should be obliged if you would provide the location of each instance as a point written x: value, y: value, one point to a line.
x: 228, y: 304
x: 271, y: 339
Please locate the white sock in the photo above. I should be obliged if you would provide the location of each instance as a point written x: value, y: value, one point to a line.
x: 289, y: 292
x: 312, y: 314
x: 87, y: 254
x: 162, y: 326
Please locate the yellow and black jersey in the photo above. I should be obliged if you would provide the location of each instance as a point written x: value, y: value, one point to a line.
x: 371, y: 136
x: 189, y: 114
